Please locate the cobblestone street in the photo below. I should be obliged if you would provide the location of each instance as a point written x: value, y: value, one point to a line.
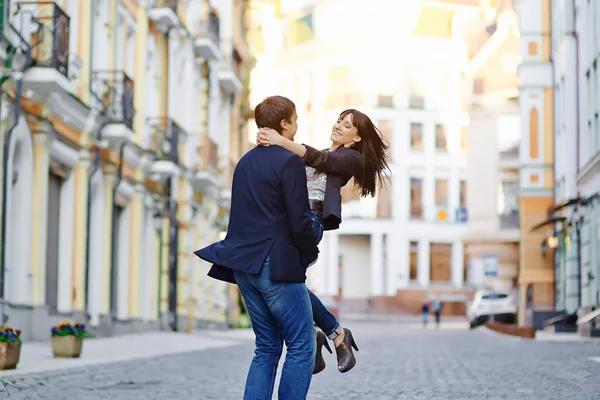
x: 396, y: 361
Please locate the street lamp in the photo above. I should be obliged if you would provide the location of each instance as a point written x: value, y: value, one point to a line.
x: 157, y: 220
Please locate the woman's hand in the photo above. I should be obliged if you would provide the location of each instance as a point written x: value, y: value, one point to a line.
x: 267, y: 137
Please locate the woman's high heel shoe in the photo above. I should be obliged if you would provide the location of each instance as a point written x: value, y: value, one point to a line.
x: 345, y: 356
x: 319, y: 360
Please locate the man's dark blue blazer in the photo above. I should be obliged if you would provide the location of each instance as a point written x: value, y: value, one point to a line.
x: 269, y: 215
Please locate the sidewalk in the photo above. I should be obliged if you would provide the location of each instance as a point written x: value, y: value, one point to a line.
x: 37, y: 356
x: 395, y: 318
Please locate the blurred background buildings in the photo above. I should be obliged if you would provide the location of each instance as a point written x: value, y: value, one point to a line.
x: 122, y: 122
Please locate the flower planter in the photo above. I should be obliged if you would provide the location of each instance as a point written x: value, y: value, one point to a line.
x: 66, y: 346
x: 9, y: 355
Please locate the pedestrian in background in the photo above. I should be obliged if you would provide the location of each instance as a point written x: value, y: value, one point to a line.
x: 437, y: 310
x: 425, y: 314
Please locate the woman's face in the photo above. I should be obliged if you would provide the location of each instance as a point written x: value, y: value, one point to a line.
x: 344, y: 133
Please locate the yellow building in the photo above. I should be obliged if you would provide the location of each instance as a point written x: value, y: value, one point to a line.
x: 120, y: 129
x: 536, y: 273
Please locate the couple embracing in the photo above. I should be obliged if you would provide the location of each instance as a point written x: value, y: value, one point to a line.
x: 284, y: 195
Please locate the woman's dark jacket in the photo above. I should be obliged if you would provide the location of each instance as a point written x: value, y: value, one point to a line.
x: 339, y: 165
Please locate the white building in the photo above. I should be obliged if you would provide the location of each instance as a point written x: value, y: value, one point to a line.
x: 494, y: 138
x: 576, y: 55
x: 398, y: 63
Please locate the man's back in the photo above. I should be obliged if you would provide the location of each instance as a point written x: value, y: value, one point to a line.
x: 269, y: 215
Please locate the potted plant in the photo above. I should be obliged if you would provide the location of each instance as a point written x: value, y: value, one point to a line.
x: 67, y: 339
x: 10, y: 347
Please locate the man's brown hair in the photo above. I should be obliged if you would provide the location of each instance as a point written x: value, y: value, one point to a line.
x: 273, y: 109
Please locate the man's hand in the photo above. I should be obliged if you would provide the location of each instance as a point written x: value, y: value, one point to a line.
x: 268, y: 137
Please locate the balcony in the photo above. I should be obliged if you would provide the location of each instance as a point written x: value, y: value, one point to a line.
x: 229, y: 73
x: 509, y: 159
x: 206, y: 42
x: 46, y: 27
x: 115, y: 90
x: 206, y: 177
x: 167, y: 135
x: 164, y: 14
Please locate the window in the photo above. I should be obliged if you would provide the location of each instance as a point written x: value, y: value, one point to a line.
x: 416, y: 198
x: 386, y: 130
x: 414, y: 261
x: 416, y: 136
x: 440, y: 256
x: 441, y: 142
x: 462, y: 200
x: 385, y: 100
x: 441, y: 193
x: 464, y: 137
x: 478, y: 85
x: 416, y: 101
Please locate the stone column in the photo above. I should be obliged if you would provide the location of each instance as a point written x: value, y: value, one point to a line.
x: 423, y: 264
x: 109, y: 184
x: 136, y: 234
x: 457, y: 264
x: 80, y: 216
x: 396, y: 270
x: 41, y: 142
x: 376, y: 264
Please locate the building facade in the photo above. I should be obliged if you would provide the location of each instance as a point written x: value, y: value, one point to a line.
x: 120, y: 129
x: 404, y: 246
x: 572, y: 226
x: 536, y: 157
x: 492, y: 240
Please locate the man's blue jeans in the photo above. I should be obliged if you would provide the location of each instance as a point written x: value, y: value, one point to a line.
x: 279, y: 312
x: 323, y: 318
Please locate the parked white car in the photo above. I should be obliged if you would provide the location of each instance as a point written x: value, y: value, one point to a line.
x: 488, y: 303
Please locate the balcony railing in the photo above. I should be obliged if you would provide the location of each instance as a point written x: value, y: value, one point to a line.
x: 172, y: 4
x: 209, y: 151
x: 166, y: 135
x: 211, y: 28
x: 115, y: 89
x: 46, y: 26
x: 510, y: 154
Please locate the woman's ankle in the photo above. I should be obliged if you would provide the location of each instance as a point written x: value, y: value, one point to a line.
x: 338, y: 339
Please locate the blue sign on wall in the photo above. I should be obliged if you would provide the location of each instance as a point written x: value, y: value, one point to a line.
x: 462, y: 214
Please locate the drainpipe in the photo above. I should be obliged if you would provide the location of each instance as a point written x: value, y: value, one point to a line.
x: 6, y: 150
x: 95, y: 166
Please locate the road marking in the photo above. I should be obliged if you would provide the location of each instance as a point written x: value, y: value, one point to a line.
x: 596, y: 359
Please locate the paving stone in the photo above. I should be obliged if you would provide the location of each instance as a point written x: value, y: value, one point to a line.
x: 394, y: 362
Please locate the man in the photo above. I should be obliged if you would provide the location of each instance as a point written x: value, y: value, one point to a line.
x: 268, y: 246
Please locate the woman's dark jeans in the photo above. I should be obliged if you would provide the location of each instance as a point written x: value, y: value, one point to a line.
x: 323, y: 318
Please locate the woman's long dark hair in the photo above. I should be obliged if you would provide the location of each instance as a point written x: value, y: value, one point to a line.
x: 373, y: 148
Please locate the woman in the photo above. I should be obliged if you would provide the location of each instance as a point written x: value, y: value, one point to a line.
x: 357, y: 151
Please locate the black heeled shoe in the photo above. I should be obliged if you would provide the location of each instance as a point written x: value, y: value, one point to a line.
x: 345, y: 356
x: 319, y: 360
